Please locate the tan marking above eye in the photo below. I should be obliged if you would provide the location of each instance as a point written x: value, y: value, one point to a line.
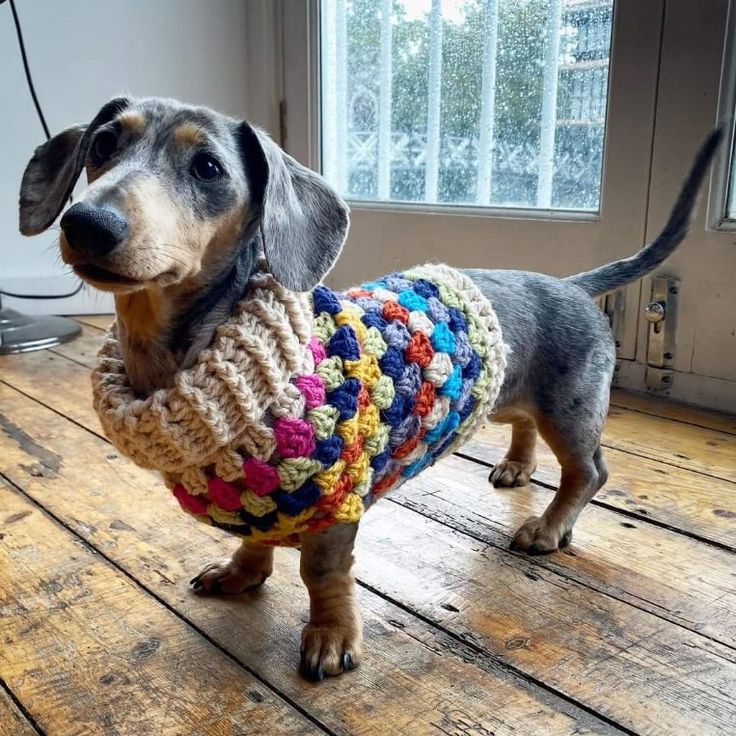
x: 132, y: 121
x: 189, y: 134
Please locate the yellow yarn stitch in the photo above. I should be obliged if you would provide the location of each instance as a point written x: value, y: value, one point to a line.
x: 366, y: 369
x: 351, y: 509
x: 327, y: 479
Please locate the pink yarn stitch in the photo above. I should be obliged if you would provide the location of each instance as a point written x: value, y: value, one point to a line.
x: 318, y: 350
x: 313, y: 389
x: 194, y: 504
x: 225, y: 495
x: 260, y: 477
x: 294, y: 437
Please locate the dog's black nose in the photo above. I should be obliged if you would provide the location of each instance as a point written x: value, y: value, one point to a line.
x: 95, y: 231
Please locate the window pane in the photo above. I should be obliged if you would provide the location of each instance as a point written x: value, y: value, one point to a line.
x: 472, y: 102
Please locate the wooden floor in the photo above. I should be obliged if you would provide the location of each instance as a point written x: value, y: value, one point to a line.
x: 630, y: 630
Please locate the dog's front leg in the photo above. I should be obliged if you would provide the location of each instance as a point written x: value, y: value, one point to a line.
x: 331, y: 641
x: 249, y: 567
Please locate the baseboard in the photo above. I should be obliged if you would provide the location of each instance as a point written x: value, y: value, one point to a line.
x: 87, y: 301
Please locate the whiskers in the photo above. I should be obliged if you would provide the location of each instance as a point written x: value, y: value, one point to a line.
x: 177, y: 259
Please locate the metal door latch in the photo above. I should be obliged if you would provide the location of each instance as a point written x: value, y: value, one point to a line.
x: 661, y: 313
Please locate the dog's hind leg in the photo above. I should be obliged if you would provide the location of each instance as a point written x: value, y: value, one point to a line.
x: 249, y: 567
x: 331, y: 641
x: 583, y: 474
x: 520, y: 461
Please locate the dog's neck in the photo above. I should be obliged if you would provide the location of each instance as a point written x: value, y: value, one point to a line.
x: 162, y: 330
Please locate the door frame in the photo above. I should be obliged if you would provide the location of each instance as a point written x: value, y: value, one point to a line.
x: 692, y: 97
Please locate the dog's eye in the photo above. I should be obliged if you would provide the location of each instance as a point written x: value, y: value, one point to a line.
x: 105, y: 144
x: 205, y: 167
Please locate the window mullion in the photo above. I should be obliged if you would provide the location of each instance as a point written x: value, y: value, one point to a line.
x: 488, y: 103
x: 384, y: 103
x: 549, y: 105
x: 434, y: 102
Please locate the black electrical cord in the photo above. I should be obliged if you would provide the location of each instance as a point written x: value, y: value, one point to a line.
x: 32, y: 89
x: 29, y: 78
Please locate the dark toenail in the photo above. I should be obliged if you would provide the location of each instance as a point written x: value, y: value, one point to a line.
x: 315, y: 673
x: 347, y: 662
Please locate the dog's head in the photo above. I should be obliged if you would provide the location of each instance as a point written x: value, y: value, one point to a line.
x: 172, y: 191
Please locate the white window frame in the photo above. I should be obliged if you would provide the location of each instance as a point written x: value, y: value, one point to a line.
x: 723, y: 177
x: 308, y: 144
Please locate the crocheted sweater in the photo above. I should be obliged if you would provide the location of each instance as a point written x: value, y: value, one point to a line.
x: 308, y: 407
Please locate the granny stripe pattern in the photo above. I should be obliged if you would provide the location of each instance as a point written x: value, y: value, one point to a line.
x: 309, y: 407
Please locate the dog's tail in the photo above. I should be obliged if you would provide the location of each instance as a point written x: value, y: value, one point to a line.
x: 619, y: 273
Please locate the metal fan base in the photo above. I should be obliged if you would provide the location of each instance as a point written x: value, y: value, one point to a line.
x: 20, y: 333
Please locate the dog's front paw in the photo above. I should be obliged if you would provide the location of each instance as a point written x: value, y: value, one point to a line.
x: 510, y: 473
x: 329, y: 650
x: 538, y: 537
x: 228, y: 577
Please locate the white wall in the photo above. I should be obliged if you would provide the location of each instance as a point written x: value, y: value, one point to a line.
x: 82, y: 53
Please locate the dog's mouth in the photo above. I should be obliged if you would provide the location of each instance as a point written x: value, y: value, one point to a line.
x: 98, y: 275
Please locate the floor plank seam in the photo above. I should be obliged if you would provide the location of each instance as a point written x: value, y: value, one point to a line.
x: 69, y: 358
x: 58, y: 413
x: 622, y: 598
x: 504, y: 666
x: 629, y: 451
x: 673, y: 419
x: 622, y: 511
x: 91, y: 325
x: 141, y: 586
x: 457, y: 648
x: 21, y: 707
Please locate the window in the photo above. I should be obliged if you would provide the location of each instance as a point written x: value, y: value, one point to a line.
x: 722, y: 198
x: 466, y: 102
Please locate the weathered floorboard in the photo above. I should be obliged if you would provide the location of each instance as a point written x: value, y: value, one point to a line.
x: 414, y: 678
x: 627, y: 665
x: 576, y: 636
x: 670, y: 575
x: 86, y: 651
x: 674, y: 496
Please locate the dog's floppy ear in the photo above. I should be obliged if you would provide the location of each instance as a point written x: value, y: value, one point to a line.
x: 303, y: 220
x: 53, y: 171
